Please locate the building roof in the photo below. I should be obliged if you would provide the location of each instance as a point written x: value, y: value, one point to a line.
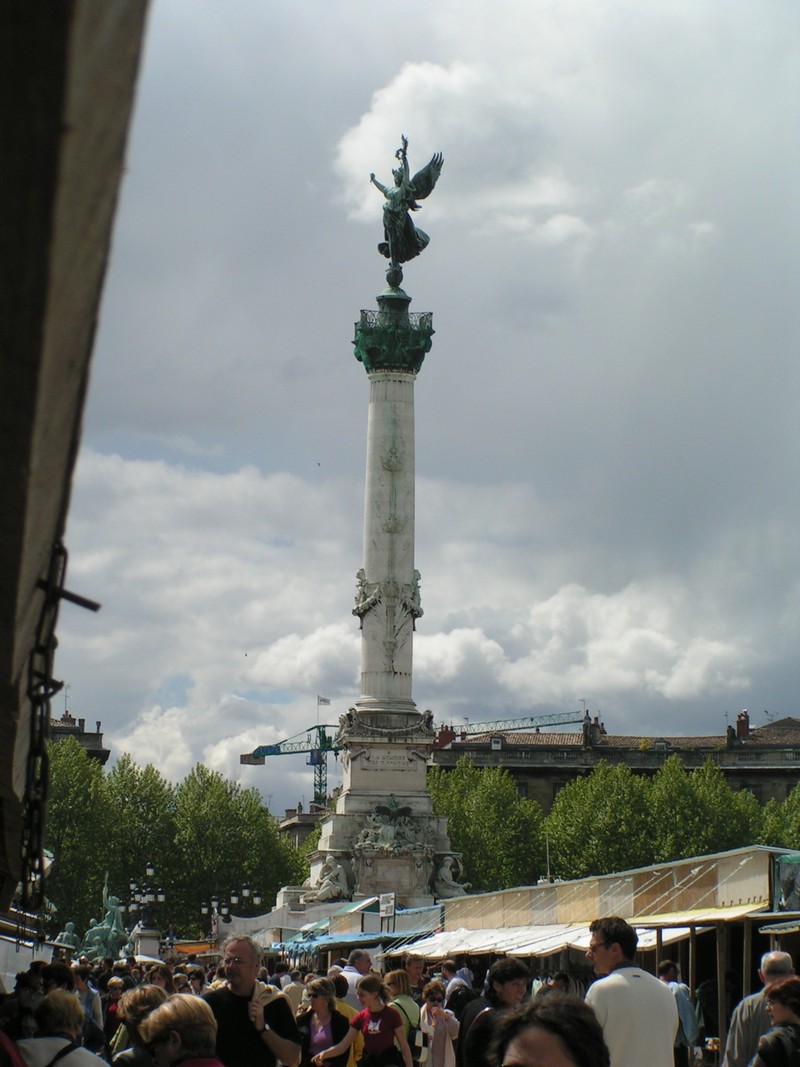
x: 781, y: 733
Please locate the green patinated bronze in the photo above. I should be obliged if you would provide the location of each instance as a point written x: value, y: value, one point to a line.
x: 388, y: 342
x: 392, y: 339
x: 402, y: 239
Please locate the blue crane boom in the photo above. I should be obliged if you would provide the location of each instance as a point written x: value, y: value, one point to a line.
x: 317, y: 742
x: 497, y: 726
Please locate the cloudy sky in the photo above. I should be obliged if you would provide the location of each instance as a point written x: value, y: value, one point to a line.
x: 608, y: 425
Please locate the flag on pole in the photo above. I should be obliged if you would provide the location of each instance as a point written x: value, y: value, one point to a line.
x: 322, y: 700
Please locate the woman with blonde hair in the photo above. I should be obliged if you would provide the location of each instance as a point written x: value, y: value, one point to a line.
x: 400, y: 990
x: 182, y: 1030
x: 59, y: 1017
x: 321, y: 1025
x: 134, y: 1007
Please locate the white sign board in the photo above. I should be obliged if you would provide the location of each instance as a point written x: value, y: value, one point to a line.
x: 386, y: 905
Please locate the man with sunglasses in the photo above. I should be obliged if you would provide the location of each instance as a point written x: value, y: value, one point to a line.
x: 637, y: 1011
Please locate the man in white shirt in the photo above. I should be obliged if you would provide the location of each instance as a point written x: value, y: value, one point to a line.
x: 637, y: 1012
x: 358, y: 964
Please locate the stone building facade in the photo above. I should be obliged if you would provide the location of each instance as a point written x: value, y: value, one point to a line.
x: 765, y: 760
x: 90, y: 740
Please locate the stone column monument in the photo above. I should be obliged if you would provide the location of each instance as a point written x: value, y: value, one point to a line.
x: 383, y: 836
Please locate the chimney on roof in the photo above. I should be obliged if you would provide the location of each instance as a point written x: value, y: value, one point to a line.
x: 593, y: 730
x: 445, y: 737
x: 82, y: 725
x: 742, y: 725
x: 98, y: 726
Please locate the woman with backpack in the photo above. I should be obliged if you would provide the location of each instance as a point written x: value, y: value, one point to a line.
x: 399, y: 988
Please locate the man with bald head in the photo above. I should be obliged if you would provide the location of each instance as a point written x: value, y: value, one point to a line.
x: 750, y: 1019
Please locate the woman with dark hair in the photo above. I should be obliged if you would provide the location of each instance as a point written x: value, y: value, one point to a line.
x: 159, y: 974
x: 440, y: 1025
x: 558, y: 1030
x: 321, y: 1026
x: 506, y: 988
x: 380, y: 1026
x: 780, y: 1046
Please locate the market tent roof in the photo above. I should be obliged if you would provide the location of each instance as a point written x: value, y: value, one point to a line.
x: 476, y: 942
x: 696, y: 916
x: 188, y: 947
x: 787, y: 922
x: 367, y: 904
x: 302, y: 943
x: 648, y: 937
x: 547, y: 940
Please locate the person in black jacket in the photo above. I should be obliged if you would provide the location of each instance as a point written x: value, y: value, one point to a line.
x: 506, y: 988
x: 780, y: 1046
x: 321, y: 1026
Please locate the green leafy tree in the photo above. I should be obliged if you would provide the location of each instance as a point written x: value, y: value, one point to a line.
x: 310, y: 845
x: 676, y: 812
x: 224, y: 837
x: 140, y: 808
x: 204, y: 835
x: 773, y: 828
x: 696, y: 813
x: 599, y: 824
x: 75, y: 833
x: 780, y: 823
x: 730, y: 819
x: 498, y: 832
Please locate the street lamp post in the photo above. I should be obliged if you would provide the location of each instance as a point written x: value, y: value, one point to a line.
x: 142, y: 910
x: 238, y: 902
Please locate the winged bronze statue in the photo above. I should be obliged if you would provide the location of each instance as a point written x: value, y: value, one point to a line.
x: 402, y: 239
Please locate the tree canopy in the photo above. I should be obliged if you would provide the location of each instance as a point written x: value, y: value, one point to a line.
x: 599, y: 823
x: 207, y: 835
x: 497, y: 832
x: 204, y: 835
x: 608, y: 820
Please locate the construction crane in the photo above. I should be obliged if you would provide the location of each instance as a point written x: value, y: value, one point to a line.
x: 450, y: 733
x: 317, y: 743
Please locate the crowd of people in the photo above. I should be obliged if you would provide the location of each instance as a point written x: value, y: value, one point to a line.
x: 240, y: 1013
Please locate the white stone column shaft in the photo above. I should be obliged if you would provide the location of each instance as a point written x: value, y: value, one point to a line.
x: 387, y: 627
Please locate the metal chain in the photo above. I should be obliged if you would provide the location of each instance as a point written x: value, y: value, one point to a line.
x: 41, y: 688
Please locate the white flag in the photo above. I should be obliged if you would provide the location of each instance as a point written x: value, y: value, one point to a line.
x: 322, y: 700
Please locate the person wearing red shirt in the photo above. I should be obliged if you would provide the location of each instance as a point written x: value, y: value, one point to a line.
x: 380, y: 1026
